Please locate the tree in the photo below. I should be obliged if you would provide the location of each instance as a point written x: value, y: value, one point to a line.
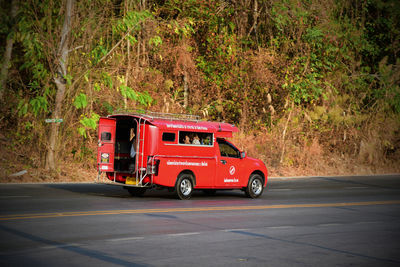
x: 60, y: 81
x: 8, y: 51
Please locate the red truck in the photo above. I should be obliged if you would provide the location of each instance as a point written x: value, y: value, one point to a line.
x: 175, y: 151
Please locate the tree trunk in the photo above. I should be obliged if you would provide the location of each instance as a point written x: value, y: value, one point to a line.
x: 255, y: 18
x: 128, y: 48
x: 7, y: 55
x: 185, y: 91
x: 59, y: 80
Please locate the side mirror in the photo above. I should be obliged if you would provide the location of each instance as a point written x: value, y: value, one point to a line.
x: 242, y: 155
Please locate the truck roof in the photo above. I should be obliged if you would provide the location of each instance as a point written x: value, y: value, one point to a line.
x: 183, y: 122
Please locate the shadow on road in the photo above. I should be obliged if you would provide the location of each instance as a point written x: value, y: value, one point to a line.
x: 350, y: 253
x: 71, y: 248
x: 111, y: 191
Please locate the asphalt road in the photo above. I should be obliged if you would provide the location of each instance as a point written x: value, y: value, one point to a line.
x: 319, y: 221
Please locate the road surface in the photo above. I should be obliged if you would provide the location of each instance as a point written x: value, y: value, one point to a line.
x: 317, y: 221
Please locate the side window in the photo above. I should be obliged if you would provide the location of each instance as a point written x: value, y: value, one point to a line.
x: 195, y: 138
x: 168, y: 137
x: 105, y: 136
x: 227, y: 150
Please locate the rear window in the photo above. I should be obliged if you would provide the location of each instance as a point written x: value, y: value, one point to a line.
x: 105, y: 136
x: 168, y: 137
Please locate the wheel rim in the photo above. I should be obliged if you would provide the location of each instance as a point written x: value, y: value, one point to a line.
x: 256, y: 186
x: 186, y: 187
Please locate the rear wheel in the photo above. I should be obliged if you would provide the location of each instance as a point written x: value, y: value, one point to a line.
x: 184, y: 186
x: 255, y: 186
x: 136, y: 191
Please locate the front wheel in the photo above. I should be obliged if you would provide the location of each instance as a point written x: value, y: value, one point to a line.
x: 255, y: 186
x: 184, y: 186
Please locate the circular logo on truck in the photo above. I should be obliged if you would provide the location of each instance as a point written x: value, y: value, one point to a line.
x: 232, y: 170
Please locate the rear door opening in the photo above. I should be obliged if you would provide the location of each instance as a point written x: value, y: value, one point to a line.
x: 125, y: 154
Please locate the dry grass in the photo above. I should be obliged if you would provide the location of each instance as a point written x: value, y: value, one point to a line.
x: 18, y: 165
x: 302, y: 153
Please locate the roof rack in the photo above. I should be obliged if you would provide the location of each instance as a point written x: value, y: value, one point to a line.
x: 159, y: 115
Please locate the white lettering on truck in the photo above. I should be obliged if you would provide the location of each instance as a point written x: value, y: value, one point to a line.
x: 187, y: 163
x: 187, y: 127
x: 234, y: 180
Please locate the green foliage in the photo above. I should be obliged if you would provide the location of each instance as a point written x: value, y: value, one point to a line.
x: 107, y: 80
x: 38, y: 104
x: 127, y: 92
x: 80, y: 101
x: 98, y: 53
x: 143, y: 98
x: 96, y: 87
x: 314, y: 36
x: 155, y: 41
x: 130, y: 24
x: 88, y: 123
x: 389, y: 83
x: 22, y: 108
x: 280, y: 16
x: 131, y: 21
x: 183, y: 30
x: 108, y: 107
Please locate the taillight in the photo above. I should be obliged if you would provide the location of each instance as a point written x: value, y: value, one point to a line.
x: 152, y: 165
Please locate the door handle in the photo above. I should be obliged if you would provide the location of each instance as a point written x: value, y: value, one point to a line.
x: 223, y: 161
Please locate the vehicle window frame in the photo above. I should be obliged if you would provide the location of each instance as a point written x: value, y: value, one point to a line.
x: 182, y: 133
x: 224, y: 142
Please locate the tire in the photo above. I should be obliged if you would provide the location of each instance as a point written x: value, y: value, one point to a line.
x: 255, y: 186
x: 136, y: 191
x: 184, y: 186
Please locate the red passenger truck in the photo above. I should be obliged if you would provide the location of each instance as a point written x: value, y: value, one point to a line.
x: 175, y: 151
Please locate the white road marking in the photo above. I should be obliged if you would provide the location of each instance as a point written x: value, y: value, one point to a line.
x: 4, y: 197
x: 61, y: 246
x: 281, y: 227
x: 233, y: 230
x: 125, y: 239
x: 329, y: 224
x: 184, y: 234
